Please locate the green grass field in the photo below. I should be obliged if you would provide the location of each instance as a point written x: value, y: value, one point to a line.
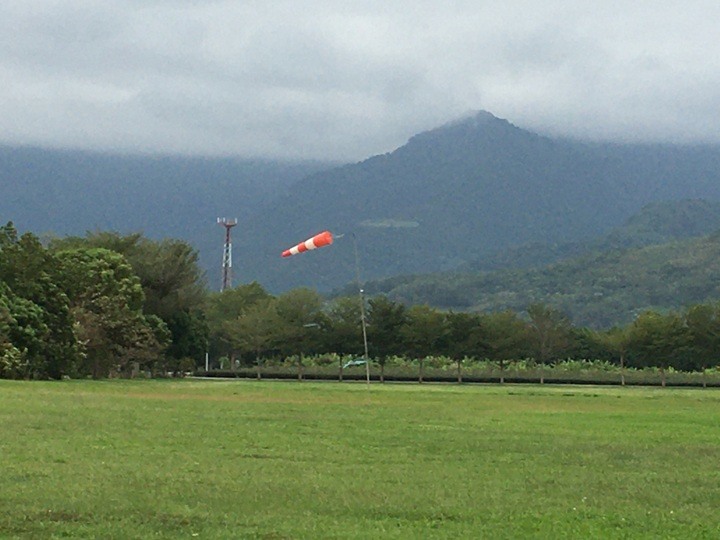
x: 245, y: 459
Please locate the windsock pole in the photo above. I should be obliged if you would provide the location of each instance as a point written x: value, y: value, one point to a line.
x: 325, y: 238
x: 361, y: 294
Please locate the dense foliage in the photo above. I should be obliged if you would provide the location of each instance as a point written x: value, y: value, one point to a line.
x: 98, y: 306
x: 37, y: 337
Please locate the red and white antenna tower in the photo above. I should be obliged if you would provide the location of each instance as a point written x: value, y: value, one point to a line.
x: 227, y: 253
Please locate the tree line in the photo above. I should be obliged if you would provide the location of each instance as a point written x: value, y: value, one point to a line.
x: 108, y: 304
x: 301, y: 323
x: 97, y: 306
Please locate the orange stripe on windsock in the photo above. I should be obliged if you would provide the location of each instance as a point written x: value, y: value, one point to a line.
x: 325, y: 238
x: 322, y: 239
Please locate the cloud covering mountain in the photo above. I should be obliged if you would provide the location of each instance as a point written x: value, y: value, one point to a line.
x: 462, y: 192
x: 344, y: 80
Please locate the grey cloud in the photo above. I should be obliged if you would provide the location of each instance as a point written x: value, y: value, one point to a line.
x: 344, y: 80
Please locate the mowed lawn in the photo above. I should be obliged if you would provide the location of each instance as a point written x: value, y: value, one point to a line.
x: 247, y: 459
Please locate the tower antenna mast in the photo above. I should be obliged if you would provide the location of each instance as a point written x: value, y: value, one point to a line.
x: 227, y: 253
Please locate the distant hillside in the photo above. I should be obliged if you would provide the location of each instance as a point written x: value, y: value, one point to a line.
x: 599, y: 288
x: 462, y: 193
x: 655, y: 223
x: 459, y: 195
x: 664, y: 221
x: 70, y: 192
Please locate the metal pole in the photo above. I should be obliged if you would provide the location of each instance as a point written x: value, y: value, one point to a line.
x: 362, y: 310
x: 227, y: 253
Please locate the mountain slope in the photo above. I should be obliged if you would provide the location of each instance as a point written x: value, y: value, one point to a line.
x: 655, y: 223
x: 461, y: 193
x: 465, y: 192
x: 665, y: 221
x: 596, y: 290
x: 601, y: 287
x: 69, y: 192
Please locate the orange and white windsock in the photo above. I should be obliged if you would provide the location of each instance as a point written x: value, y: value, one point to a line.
x: 324, y: 238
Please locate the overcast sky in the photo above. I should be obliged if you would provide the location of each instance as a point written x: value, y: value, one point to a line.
x: 334, y: 79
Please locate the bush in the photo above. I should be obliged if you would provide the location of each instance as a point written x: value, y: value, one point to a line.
x: 13, y: 362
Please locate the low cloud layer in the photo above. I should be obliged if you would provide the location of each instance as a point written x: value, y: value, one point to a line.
x: 348, y: 79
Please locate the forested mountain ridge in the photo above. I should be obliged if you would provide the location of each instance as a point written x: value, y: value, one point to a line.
x: 462, y: 193
x: 598, y: 289
x: 662, y: 222
x: 655, y: 223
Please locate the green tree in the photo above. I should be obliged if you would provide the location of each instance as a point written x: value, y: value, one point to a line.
x: 466, y: 338
x: 423, y: 333
x: 106, y: 301
x: 301, y: 322
x: 466, y: 335
x: 550, y: 334
x: 170, y: 277
x: 171, y: 280
x: 385, y: 318
x: 228, y: 306
x: 168, y: 269
x: 13, y: 361
x: 659, y: 340
x: 43, y: 328
x: 703, y: 326
x: 256, y: 330
x: 189, y: 335
x: 506, y: 337
x: 617, y: 340
x: 174, y: 291
x: 344, y: 332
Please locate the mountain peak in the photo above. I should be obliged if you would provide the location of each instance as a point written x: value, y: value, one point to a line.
x: 475, y: 121
x: 474, y: 118
x: 473, y: 129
